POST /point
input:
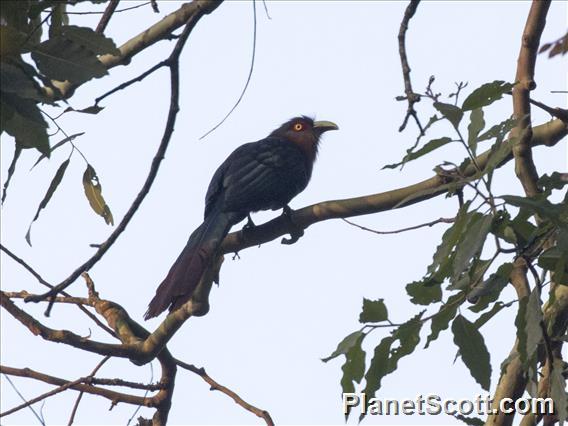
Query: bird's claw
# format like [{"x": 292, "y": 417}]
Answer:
[{"x": 296, "y": 231}]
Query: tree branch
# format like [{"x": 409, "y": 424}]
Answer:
[
  {"x": 159, "y": 31},
  {"x": 63, "y": 384},
  {"x": 111, "y": 7},
  {"x": 524, "y": 165},
  {"x": 215, "y": 386},
  {"x": 410, "y": 95},
  {"x": 547, "y": 134}
]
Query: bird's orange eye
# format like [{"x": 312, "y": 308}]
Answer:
[{"x": 298, "y": 127}]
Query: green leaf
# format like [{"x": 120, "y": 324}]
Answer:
[
  {"x": 488, "y": 291},
  {"x": 345, "y": 345},
  {"x": 540, "y": 206},
  {"x": 554, "y": 181},
  {"x": 385, "y": 359},
  {"x": 528, "y": 322},
  {"x": 476, "y": 125},
  {"x": 486, "y": 316},
  {"x": 473, "y": 351},
  {"x": 441, "y": 320},
  {"x": 89, "y": 39},
  {"x": 18, "y": 79},
  {"x": 63, "y": 59},
  {"x": 558, "y": 391},
  {"x": 24, "y": 122},
  {"x": 93, "y": 191},
  {"x": 471, "y": 243},
  {"x": 50, "y": 191},
  {"x": 353, "y": 368},
  {"x": 442, "y": 260},
  {"x": 498, "y": 131},
  {"x": 373, "y": 311},
  {"x": 486, "y": 94},
  {"x": 451, "y": 112},
  {"x": 421, "y": 294},
  {"x": 413, "y": 155}
]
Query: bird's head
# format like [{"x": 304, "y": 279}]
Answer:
[{"x": 305, "y": 132}]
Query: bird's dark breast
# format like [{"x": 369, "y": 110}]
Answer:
[{"x": 261, "y": 175}]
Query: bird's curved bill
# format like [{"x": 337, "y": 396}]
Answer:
[{"x": 324, "y": 126}]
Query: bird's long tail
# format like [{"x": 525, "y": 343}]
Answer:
[{"x": 185, "y": 273}]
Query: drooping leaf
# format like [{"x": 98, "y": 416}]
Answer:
[
  {"x": 60, "y": 58},
  {"x": 385, "y": 359},
  {"x": 57, "y": 145},
  {"x": 89, "y": 39},
  {"x": 486, "y": 316},
  {"x": 441, "y": 259},
  {"x": 473, "y": 351},
  {"x": 17, "y": 78},
  {"x": 529, "y": 328},
  {"x": 93, "y": 191},
  {"x": 486, "y": 94},
  {"x": 373, "y": 311},
  {"x": 413, "y": 155},
  {"x": 472, "y": 242},
  {"x": 11, "y": 170},
  {"x": 441, "y": 320},
  {"x": 421, "y": 294},
  {"x": 540, "y": 206},
  {"x": 498, "y": 131},
  {"x": 50, "y": 191},
  {"x": 489, "y": 290},
  {"x": 557, "y": 47},
  {"x": 451, "y": 112},
  {"x": 353, "y": 368},
  {"x": 476, "y": 125},
  {"x": 22, "y": 119},
  {"x": 345, "y": 345}
]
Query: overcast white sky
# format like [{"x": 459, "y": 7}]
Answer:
[{"x": 279, "y": 309}]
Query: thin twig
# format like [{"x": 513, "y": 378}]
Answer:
[
  {"x": 263, "y": 414},
  {"x": 398, "y": 231},
  {"x": 132, "y": 81},
  {"x": 110, "y": 9},
  {"x": 40, "y": 418},
  {"x": 248, "y": 77},
  {"x": 117, "y": 11},
  {"x": 410, "y": 95},
  {"x": 45, "y": 283},
  {"x": 80, "y": 396}
]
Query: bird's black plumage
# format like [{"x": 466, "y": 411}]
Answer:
[{"x": 260, "y": 175}]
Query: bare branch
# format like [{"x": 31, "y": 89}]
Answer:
[
  {"x": 45, "y": 283},
  {"x": 263, "y": 414},
  {"x": 547, "y": 134},
  {"x": 524, "y": 165},
  {"x": 159, "y": 31},
  {"x": 111, "y": 7},
  {"x": 411, "y": 97},
  {"x": 398, "y": 231},
  {"x": 113, "y": 396},
  {"x": 80, "y": 396}
]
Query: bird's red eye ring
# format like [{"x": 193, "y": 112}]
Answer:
[{"x": 298, "y": 127}]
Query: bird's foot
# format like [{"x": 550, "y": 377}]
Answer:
[
  {"x": 296, "y": 232},
  {"x": 236, "y": 255}
]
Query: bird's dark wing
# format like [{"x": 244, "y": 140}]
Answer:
[{"x": 258, "y": 176}]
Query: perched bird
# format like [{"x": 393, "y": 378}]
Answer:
[{"x": 260, "y": 175}]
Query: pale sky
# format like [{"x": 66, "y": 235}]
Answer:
[{"x": 279, "y": 309}]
